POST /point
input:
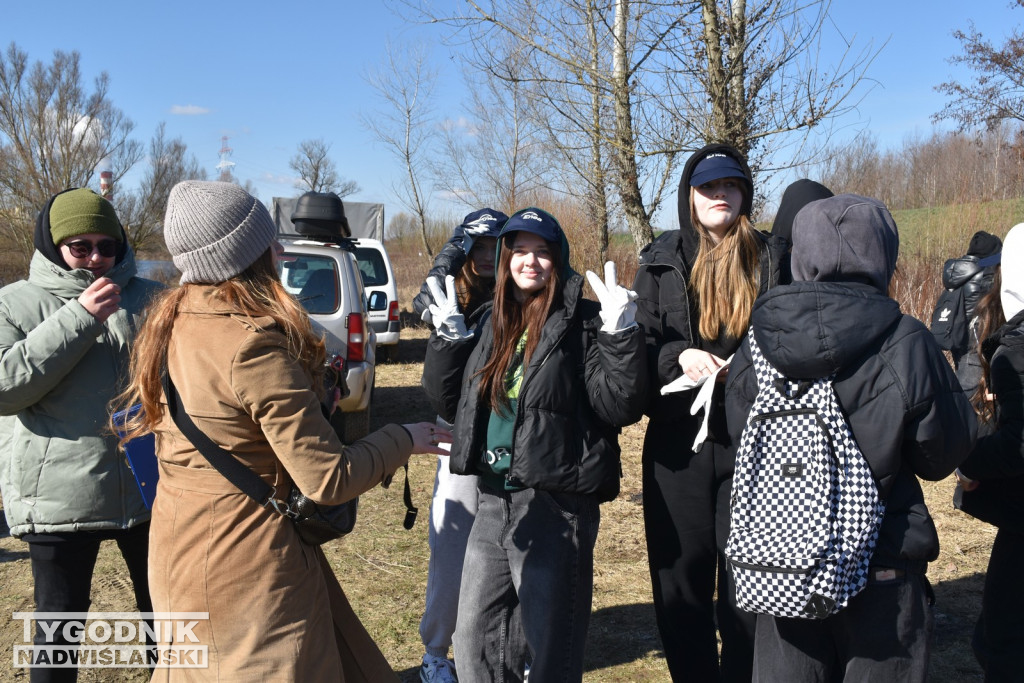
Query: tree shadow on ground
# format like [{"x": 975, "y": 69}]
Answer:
[{"x": 617, "y": 635}]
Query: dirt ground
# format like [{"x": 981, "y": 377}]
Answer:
[{"x": 383, "y": 567}]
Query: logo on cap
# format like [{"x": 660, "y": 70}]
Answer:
[{"x": 531, "y": 216}]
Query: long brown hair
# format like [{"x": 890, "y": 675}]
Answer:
[
  {"x": 255, "y": 292},
  {"x": 472, "y": 288},
  {"x": 510, "y": 319},
  {"x": 725, "y": 276},
  {"x": 989, "y": 313}
]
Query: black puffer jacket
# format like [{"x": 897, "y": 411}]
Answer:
[
  {"x": 667, "y": 310},
  {"x": 580, "y": 387},
  {"x": 899, "y": 394},
  {"x": 967, "y": 273},
  {"x": 449, "y": 260},
  {"x": 1000, "y": 455}
]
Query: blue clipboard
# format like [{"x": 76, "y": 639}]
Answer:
[{"x": 141, "y": 455}]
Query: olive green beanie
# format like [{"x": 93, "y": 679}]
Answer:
[{"x": 80, "y": 212}]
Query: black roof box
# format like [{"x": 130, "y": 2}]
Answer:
[{"x": 320, "y": 215}]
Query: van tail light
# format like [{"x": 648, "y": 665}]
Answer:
[
  {"x": 393, "y": 312},
  {"x": 356, "y": 338}
]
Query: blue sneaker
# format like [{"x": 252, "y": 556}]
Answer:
[{"x": 437, "y": 670}]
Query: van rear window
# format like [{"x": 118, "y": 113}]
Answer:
[
  {"x": 371, "y": 267},
  {"x": 313, "y": 280}
]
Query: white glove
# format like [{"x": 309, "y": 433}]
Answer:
[
  {"x": 618, "y": 304},
  {"x": 444, "y": 312}
]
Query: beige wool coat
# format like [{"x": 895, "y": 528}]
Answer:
[{"x": 276, "y": 610}]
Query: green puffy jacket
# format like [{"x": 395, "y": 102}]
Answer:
[{"x": 59, "y": 367}]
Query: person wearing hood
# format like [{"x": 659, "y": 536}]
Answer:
[
  {"x": 695, "y": 289},
  {"x": 65, "y": 334},
  {"x": 538, "y": 396},
  {"x": 907, "y": 413},
  {"x": 248, "y": 369},
  {"x": 469, "y": 257},
  {"x": 975, "y": 273},
  {"x": 796, "y": 196},
  {"x": 992, "y": 477}
]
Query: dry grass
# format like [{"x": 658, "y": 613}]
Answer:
[{"x": 383, "y": 567}]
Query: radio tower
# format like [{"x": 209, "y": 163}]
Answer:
[{"x": 225, "y": 166}]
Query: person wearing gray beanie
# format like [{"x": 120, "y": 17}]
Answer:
[
  {"x": 249, "y": 368},
  {"x": 906, "y": 411},
  {"x": 215, "y": 230}
]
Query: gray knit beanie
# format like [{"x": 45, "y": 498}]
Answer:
[{"x": 215, "y": 230}]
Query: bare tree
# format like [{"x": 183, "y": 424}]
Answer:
[
  {"x": 997, "y": 91},
  {"x": 495, "y": 155},
  {"x": 757, "y": 64},
  {"x": 317, "y": 172},
  {"x": 646, "y": 80},
  {"x": 579, "y": 61},
  {"x": 53, "y": 135},
  {"x": 404, "y": 124},
  {"x": 142, "y": 211}
]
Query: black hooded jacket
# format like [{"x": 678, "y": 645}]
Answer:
[
  {"x": 1000, "y": 455},
  {"x": 667, "y": 310},
  {"x": 898, "y": 392},
  {"x": 580, "y": 386},
  {"x": 966, "y": 272}
]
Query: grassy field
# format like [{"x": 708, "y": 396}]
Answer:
[{"x": 383, "y": 567}]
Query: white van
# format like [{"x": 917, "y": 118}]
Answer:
[
  {"x": 323, "y": 276},
  {"x": 381, "y": 294}
]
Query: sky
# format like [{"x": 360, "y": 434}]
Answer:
[{"x": 270, "y": 75}]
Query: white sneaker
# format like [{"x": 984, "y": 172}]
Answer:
[{"x": 437, "y": 670}]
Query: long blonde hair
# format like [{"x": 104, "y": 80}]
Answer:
[
  {"x": 255, "y": 292},
  {"x": 725, "y": 277}
]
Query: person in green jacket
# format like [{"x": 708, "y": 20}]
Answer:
[{"x": 64, "y": 348}]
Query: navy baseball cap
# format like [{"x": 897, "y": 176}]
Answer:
[
  {"x": 485, "y": 222},
  {"x": 714, "y": 166},
  {"x": 534, "y": 220}
]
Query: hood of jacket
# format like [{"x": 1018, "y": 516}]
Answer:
[
  {"x": 816, "y": 329},
  {"x": 1011, "y": 295},
  {"x": 43, "y": 241},
  {"x": 683, "y": 195},
  {"x": 956, "y": 272}
]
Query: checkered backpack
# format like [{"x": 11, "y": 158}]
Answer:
[{"x": 805, "y": 509}]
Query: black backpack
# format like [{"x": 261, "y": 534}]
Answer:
[
  {"x": 965, "y": 280},
  {"x": 949, "y": 320}
]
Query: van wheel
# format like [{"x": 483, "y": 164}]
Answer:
[
  {"x": 350, "y": 427},
  {"x": 387, "y": 354}
]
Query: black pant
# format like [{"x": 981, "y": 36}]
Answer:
[
  {"x": 686, "y": 518},
  {"x": 999, "y": 635},
  {"x": 883, "y": 634},
  {"x": 62, "y": 569}
]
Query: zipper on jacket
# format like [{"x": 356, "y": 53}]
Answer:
[{"x": 522, "y": 393}]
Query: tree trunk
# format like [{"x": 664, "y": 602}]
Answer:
[{"x": 625, "y": 142}]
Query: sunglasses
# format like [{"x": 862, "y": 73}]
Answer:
[{"x": 84, "y": 248}]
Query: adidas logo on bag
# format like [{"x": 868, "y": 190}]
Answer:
[{"x": 805, "y": 509}]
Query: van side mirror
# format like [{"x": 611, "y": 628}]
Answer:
[{"x": 378, "y": 301}]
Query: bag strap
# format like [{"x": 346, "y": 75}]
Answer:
[{"x": 243, "y": 478}]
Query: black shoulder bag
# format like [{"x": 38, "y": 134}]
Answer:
[{"x": 316, "y": 524}]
